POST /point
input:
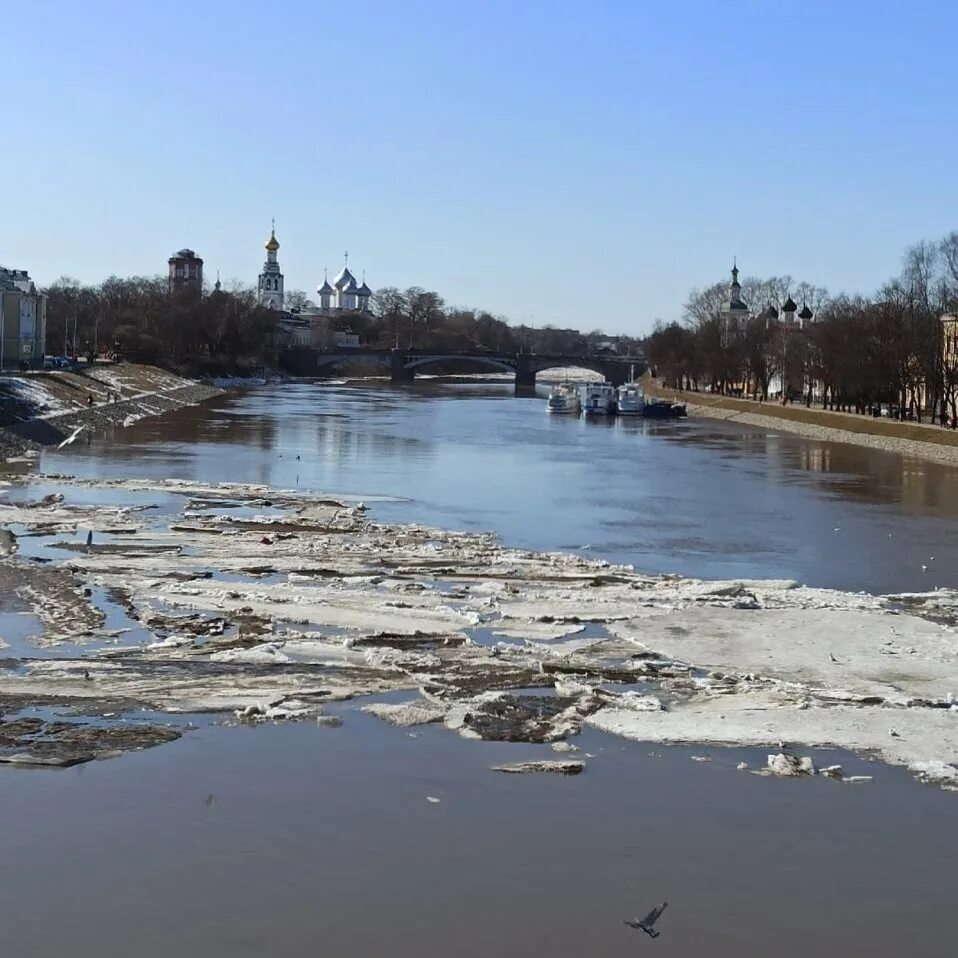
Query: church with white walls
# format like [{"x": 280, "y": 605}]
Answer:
[
  {"x": 343, "y": 295},
  {"x": 270, "y": 292}
]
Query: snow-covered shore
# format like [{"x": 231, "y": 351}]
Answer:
[{"x": 42, "y": 409}]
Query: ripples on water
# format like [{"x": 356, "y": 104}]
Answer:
[
  {"x": 699, "y": 498},
  {"x": 283, "y": 840}
]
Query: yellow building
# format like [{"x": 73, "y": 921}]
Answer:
[{"x": 23, "y": 320}]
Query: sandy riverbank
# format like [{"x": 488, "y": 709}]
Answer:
[
  {"x": 259, "y": 604},
  {"x": 921, "y": 441},
  {"x": 43, "y": 409}
]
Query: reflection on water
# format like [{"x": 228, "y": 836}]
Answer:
[
  {"x": 282, "y": 840},
  {"x": 696, "y": 497},
  {"x": 290, "y": 840}
]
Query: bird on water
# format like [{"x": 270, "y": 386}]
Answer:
[{"x": 647, "y": 924}]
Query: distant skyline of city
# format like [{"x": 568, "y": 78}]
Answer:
[{"x": 543, "y": 164}]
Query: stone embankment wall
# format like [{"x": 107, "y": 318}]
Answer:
[
  {"x": 917, "y": 440},
  {"x": 44, "y": 410}
]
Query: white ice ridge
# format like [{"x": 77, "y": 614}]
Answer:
[{"x": 292, "y": 595}]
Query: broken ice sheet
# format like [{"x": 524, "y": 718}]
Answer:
[{"x": 279, "y": 600}]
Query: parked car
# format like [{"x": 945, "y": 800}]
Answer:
[{"x": 57, "y": 362}]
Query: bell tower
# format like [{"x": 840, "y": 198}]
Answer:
[{"x": 270, "y": 290}]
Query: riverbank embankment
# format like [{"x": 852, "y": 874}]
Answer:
[
  {"x": 917, "y": 440},
  {"x": 44, "y": 409}
]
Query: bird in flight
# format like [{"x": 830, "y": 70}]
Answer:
[{"x": 647, "y": 924}]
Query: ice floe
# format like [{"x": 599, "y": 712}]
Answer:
[{"x": 274, "y": 602}]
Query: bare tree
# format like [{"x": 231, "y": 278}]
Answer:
[
  {"x": 424, "y": 309},
  {"x": 390, "y": 306},
  {"x": 297, "y": 299}
]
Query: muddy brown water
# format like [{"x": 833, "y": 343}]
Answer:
[{"x": 291, "y": 839}]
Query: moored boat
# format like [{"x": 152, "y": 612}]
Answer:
[
  {"x": 563, "y": 398},
  {"x": 664, "y": 409},
  {"x": 598, "y": 399},
  {"x": 630, "y": 400}
]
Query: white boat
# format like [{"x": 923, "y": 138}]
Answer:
[
  {"x": 598, "y": 399},
  {"x": 630, "y": 400},
  {"x": 564, "y": 398}
]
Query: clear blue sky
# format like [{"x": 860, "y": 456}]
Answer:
[{"x": 567, "y": 163}]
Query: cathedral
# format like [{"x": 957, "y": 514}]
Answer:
[
  {"x": 345, "y": 295},
  {"x": 736, "y": 316}
]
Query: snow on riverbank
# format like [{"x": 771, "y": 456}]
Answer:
[
  {"x": 30, "y": 396},
  {"x": 46, "y": 408},
  {"x": 131, "y": 379}
]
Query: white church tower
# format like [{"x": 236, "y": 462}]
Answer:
[
  {"x": 326, "y": 293},
  {"x": 270, "y": 293},
  {"x": 737, "y": 315}
]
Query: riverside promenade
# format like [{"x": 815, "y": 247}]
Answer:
[{"x": 919, "y": 440}]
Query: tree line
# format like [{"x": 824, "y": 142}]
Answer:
[
  {"x": 856, "y": 353},
  {"x": 420, "y": 319},
  {"x": 139, "y": 318}
]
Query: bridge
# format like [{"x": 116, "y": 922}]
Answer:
[{"x": 403, "y": 364}]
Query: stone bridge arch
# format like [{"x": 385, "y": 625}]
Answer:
[
  {"x": 615, "y": 370},
  {"x": 593, "y": 365},
  {"x": 402, "y": 364},
  {"x": 503, "y": 364},
  {"x": 327, "y": 363}
]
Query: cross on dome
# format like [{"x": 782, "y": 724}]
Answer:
[{"x": 272, "y": 244}]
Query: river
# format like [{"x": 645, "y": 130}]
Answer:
[
  {"x": 275, "y": 840},
  {"x": 694, "y": 497}
]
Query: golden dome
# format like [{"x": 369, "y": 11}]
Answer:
[{"x": 272, "y": 244}]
